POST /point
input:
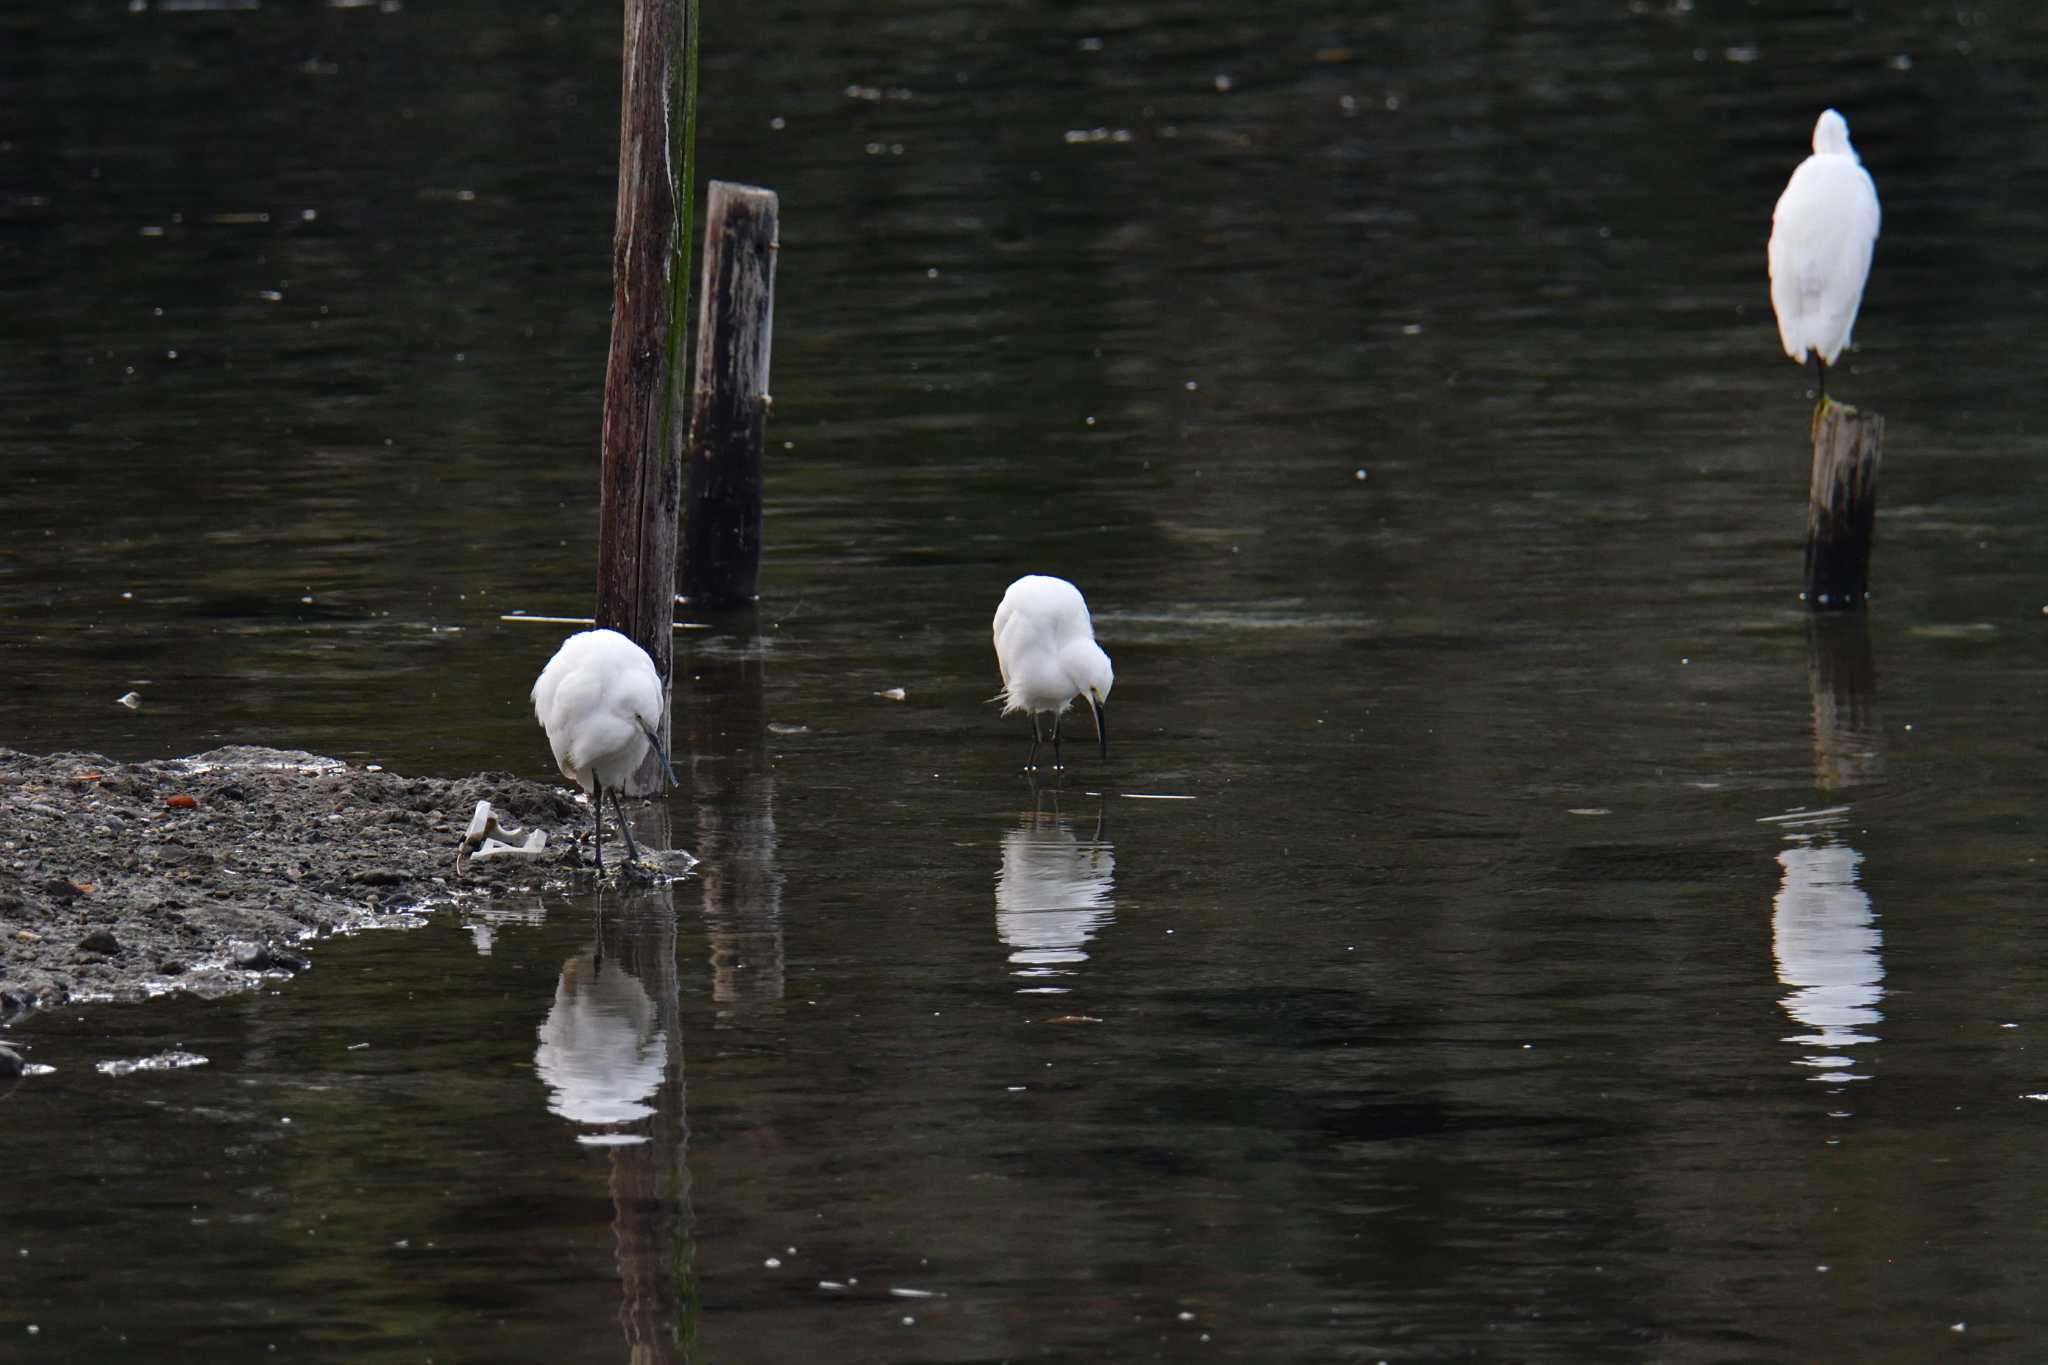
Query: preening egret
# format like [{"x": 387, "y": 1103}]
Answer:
[
  {"x": 1045, "y": 647},
  {"x": 599, "y": 699},
  {"x": 1822, "y": 234}
]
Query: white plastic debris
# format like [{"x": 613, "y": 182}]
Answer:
[
  {"x": 131, "y": 700},
  {"x": 489, "y": 837}
]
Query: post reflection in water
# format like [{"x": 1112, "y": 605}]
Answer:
[
  {"x": 1054, "y": 892},
  {"x": 724, "y": 735},
  {"x": 1823, "y": 928},
  {"x": 611, "y": 1057},
  {"x": 1841, "y": 676},
  {"x": 1824, "y": 936}
]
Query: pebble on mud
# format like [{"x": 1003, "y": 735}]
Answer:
[{"x": 100, "y": 941}]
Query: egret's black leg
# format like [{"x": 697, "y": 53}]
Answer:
[
  {"x": 597, "y": 822},
  {"x": 1820, "y": 376},
  {"x": 1057, "y": 765},
  {"x": 625, "y": 828},
  {"x": 1031, "y": 759}
]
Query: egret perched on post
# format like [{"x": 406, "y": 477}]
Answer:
[
  {"x": 600, "y": 699},
  {"x": 1822, "y": 234},
  {"x": 1045, "y": 647}
]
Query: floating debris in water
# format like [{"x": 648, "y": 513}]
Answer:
[
  {"x": 1802, "y": 817},
  {"x": 131, "y": 700},
  {"x": 1589, "y": 810},
  {"x": 587, "y": 621},
  {"x": 162, "y": 1061},
  {"x": 893, "y": 693},
  {"x": 1074, "y": 136}
]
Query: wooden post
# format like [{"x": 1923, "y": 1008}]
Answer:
[
  {"x": 722, "y": 532},
  {"x": 1841, "y": 506},
  {"x": 640, "y": 484}
]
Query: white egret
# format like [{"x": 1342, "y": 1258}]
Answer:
[
  {"x": 1822, "y": 233},
  {"x": 1045, "y": 647},
  {"x": 600, "y": 700}
]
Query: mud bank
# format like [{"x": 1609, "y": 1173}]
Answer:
[{"x": 207, "y": 873}]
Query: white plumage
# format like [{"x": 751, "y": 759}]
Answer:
[
  {"x": 1822, "y": 234},
  {"x": 1046, "y": 650},
  {"x": 600, "y": 701}
]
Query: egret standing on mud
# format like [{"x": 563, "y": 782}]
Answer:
[
  {"x": 600, "y": 699},
  {"x": 1822, "y": 234},
  {"x": 1045, "y": 647}
]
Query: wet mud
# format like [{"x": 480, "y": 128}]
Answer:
[{"x": 211, "y": 873}]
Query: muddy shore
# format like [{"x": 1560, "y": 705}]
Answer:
[{"x": 120, "y": 881}]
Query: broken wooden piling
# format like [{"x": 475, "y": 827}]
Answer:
[
  {"x": 1841, "y": 506},
  {"x": 640, "y": 480},
  {"x": 721, "y": 564}
]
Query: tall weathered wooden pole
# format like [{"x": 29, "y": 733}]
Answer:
[
  {"x": 640, "y": 485},
  {"x": 1841, "y": 506},
  {"x": 721, "y": 565}
]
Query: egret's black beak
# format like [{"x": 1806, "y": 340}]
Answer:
[
  {"x": 1101, "y": 710},
  {"x": 659, "y": 752}
]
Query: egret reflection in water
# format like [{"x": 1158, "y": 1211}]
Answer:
[
  {"x": 602, "y": 1048},
  {"x": 1054, "y": 892},
  {"x": 1825, "y": 938}
]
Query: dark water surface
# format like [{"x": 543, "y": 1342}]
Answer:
[{"x": 1567, "y": 952}]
